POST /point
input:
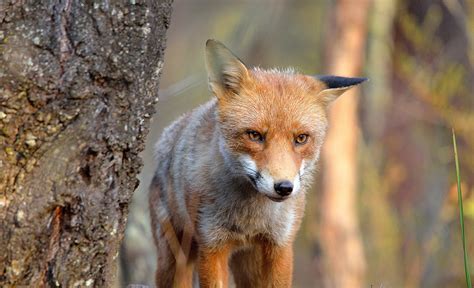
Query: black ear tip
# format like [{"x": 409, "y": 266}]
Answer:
[
  {"x": 334, "y": 82},
  {"x": 360, "y": 80}
]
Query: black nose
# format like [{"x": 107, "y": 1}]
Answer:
[{"x": 283, "y": 188}]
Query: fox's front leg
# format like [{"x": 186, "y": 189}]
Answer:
[
  {"x": 277, "y": 265},
  {"x": 213, "y": 267}
]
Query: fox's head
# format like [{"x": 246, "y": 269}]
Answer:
[{"x": 273, "y": 122}]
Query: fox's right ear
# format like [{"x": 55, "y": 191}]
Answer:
[
  {"x": 225, "y": 71},
  {"x": 335, "y": 86}
]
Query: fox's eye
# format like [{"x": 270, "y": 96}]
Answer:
[
  {"x": 255, "y": 136},
  {"x": 301, "y": 139}
]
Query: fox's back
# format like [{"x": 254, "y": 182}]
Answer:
[{"x": 181, "y": 156}]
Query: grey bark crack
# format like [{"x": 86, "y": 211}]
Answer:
[{"x": 62, "y": 11}]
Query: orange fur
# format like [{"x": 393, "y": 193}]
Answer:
[
  {"x": 278, "y": 265},
  {"x": 213, "y": 270}
]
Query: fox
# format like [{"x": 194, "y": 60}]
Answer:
[{"x": 228, "y": 194}]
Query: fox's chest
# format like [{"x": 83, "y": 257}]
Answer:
[
  {"x": 274, "y": 223},
  {"x": 245, "y": 220}
]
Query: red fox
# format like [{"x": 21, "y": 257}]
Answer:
[{"x": 229, "y": 189}]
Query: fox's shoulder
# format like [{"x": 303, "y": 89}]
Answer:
[
  {"x": 185, "y": 124},
  {"x": 168, "y": 136}
]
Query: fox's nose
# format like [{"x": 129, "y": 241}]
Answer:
[{"x": 283, "y": 188}]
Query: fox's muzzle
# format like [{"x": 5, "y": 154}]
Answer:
[{"x": 276, "y": 189}]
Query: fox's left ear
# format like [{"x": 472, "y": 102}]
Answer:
[
  {"x": 225, "y": 71},
  {"x": 335, "y": 86}
]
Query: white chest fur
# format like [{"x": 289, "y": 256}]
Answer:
[{"x": 245, "y": 219}]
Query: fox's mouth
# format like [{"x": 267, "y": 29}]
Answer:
[
  {"x": 277, "y": 199},
  {"x": 254, "y": 179}
]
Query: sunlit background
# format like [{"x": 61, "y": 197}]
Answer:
[{"x": 419, "y": 56}]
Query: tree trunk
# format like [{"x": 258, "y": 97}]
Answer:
[
  {"x": 343, "y": 255},
  {"x": 78, "y": 84}
]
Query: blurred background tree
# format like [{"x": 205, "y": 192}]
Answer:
[
  {"x": 419, "y": 56},
  {"x": 341, "y": 243}
]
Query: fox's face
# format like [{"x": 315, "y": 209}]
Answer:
[
  {"x": 274, "y": 127},
  {"x": 273, "y": 122}
]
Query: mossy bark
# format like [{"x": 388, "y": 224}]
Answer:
[{"x": 78, "y": 84}]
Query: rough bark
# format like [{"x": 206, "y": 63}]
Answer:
[
  {"x": 78, "y": 84},
  {"x": 340, "y": 235}
]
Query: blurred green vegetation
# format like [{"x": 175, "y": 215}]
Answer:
[{"x": 420, "y": 59}]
